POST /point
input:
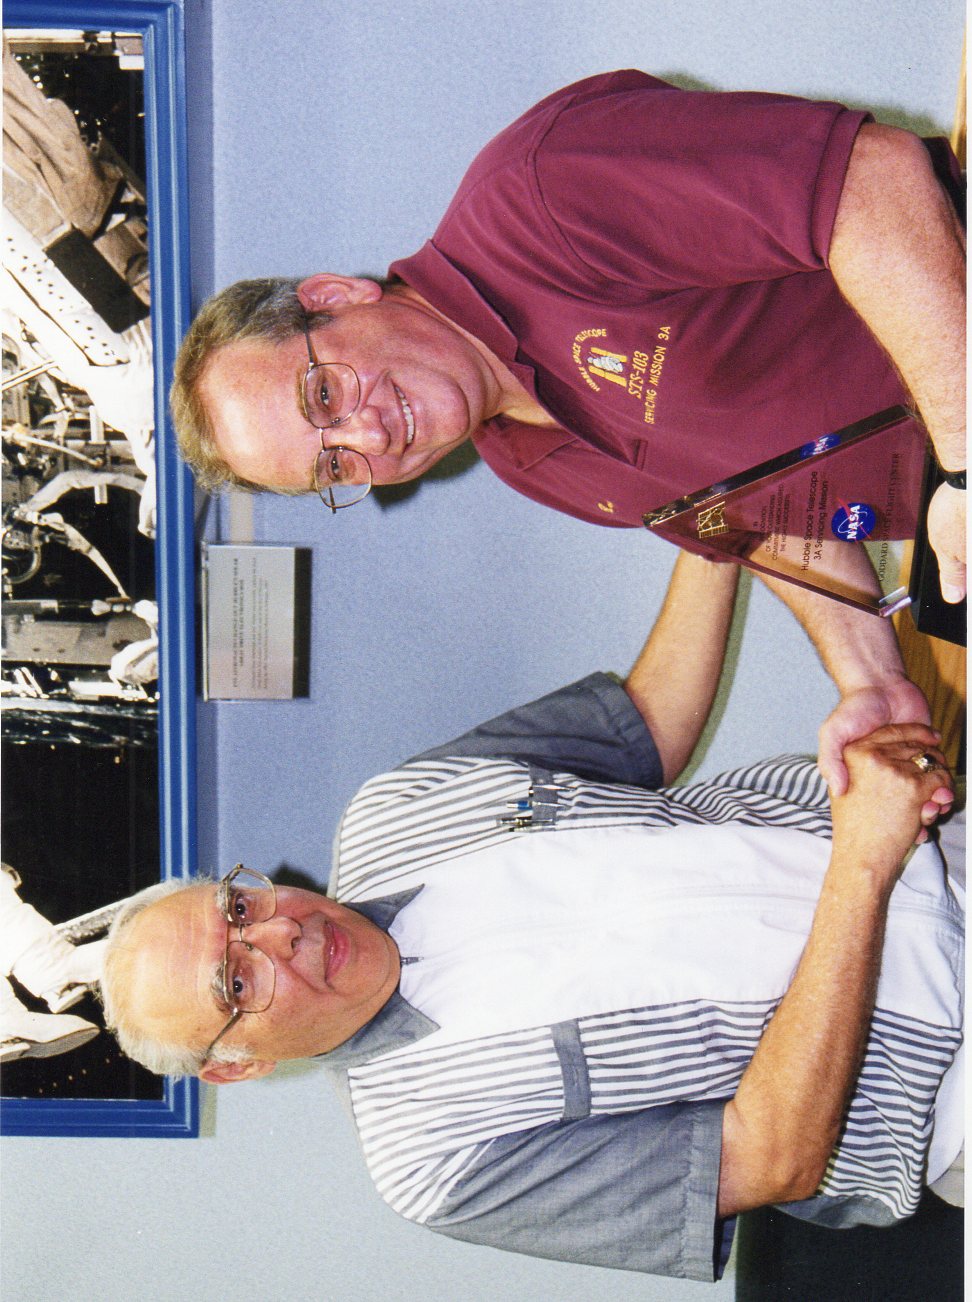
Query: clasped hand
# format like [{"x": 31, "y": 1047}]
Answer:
[
  {"x": 860, "y": 712},
  {"x": 890, "y": 801}
]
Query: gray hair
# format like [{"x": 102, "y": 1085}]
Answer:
[{"x": 161, "y": 1057}]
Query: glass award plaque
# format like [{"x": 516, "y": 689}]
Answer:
[{"x": 828, "y": 516}]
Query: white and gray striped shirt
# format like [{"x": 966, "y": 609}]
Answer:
[{"x": 588, "y": 966}]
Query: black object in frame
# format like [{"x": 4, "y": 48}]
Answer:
[{"x": 173, "y": 1111}]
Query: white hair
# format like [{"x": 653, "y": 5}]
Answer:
[{"x": 163, "y": 1058}]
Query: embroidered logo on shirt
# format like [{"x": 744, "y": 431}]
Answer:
[
  {"x": 609, "y": 366},
  {"x": 638, "y": 374}
]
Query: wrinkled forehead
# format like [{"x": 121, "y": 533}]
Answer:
[{"x": 174, "y": 950}]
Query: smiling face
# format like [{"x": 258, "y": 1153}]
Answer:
[
  {"x": 425, "y": 387},
  {"x": 334, "y": 970}
]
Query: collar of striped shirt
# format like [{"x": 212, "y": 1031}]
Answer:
[{"x": 396, "y": 1023}]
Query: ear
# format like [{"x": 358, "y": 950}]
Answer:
[
  {"x": 328, "y": 293},
  {"x": 223, "y": 1073}
]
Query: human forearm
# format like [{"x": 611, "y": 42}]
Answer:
[
  {"x": 780, "y": 1128},
  {"x": 857, "y": 649},
  {"x": 674, "y": 680},
  {"x": 861, "y": 654}
]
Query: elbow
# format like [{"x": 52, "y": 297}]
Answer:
[
  {"x": 756, "y": 1183},
  {"x": 893, "y": 158},
  {"x": 890, "y": 188},
  {"x": 789, "y": 1177},
  {"x": 761, "y": 1167},
  {"x": 802, "y": 1180}
]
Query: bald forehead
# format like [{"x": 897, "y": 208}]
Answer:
[
  {"x": 250, "y": 390},
  {"x": 173, "y": 950}
]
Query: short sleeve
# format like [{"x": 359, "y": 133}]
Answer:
[
  {"x": 633, "y": 1191},
  {"x": 664, "y": 188},
  {"x": 591, "y": 728}
]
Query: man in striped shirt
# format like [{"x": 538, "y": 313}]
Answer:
[{"x": 582, "y": 1014}]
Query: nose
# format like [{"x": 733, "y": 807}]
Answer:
[
  {"x": 364, "y": 432},
  {"x": 277, "y": 937}
]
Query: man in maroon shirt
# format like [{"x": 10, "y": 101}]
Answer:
[{"x": 636, "y": 291}]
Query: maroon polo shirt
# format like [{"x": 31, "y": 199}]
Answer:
[{"x": 651, "y": 264}]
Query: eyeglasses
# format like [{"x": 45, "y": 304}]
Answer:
[
  {"x": 329, "y": 396},
  {"x": 246, "y": 978}
]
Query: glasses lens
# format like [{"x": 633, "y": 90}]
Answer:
[
  {"x": 249, "y": 978},
  {"x": 342, "y": 476},
  {"x": 248, "y": 897},
  {"x": 330, "y": 394}
]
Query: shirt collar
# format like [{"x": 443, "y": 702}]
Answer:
[
  {"x": 431, "y": 274},
  {"x": 397, "y": 1023}
]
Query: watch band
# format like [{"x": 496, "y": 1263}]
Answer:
[{"x": 954, "y": 478}]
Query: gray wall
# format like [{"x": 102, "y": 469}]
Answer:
[{"x": 330, "y": 137}]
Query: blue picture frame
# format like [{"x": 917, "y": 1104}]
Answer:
[{"x": 161, "y": 24}]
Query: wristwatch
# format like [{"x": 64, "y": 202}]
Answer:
[{"x": 954, "y": 478}]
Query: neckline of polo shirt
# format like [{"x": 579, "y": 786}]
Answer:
[
  {"x": 431, "y": 274},
  {"x": 527, "y": 444}
]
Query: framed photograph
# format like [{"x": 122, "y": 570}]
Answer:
[{"x": 98, "y": 679}]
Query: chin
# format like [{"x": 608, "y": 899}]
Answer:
[
  {"x": 401, "y": 477},
  {"x": 415, "y": 468}
]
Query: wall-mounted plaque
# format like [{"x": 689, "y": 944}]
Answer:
[{"x": 256, "y": 620}]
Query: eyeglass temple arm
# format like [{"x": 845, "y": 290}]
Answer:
[
  {"x": 227, "y": 1028},
  {"x": 311, "y": 360}
]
